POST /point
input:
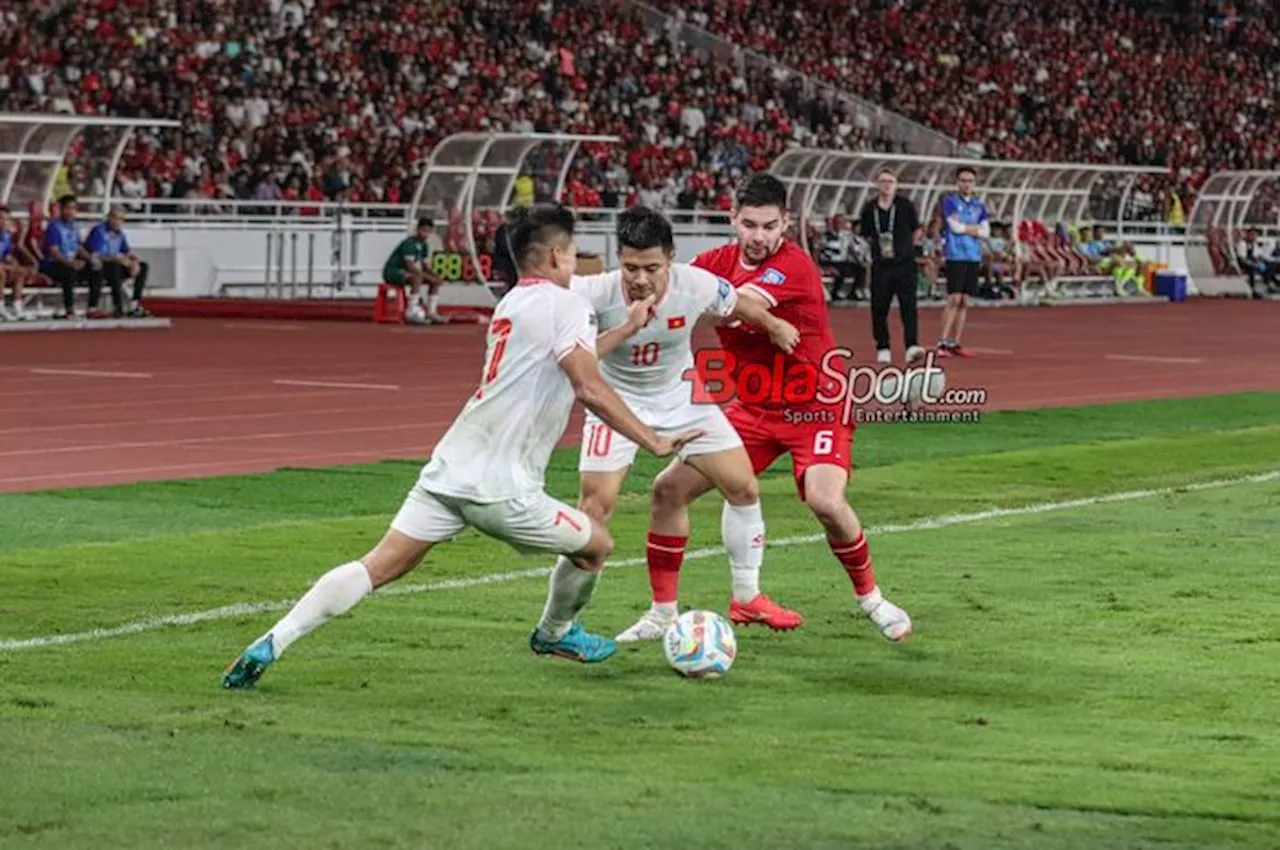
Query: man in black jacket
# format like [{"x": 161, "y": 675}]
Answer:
[{"x": 891, "y": 225}]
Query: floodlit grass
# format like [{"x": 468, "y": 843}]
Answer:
[{"x": 1099, "y": 676}]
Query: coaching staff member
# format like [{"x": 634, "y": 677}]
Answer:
[
  {"x": 966, "y": 223},
  {"x": 65, "y": 262},
  {"x": 891, "y": 225}
]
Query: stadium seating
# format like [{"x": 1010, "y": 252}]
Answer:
[
  {"x": 344, "y": 100},
  {"x": 339, "y": 99},
  {"x": 1190, "y": 86}
]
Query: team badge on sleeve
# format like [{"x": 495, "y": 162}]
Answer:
[
  {"x": 725, "y": 288},
  {"x": 675, "y": 323},
  {"x": 773, "y": 277}
]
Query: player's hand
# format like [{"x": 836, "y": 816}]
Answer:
[
  {"x": 784, "y": 335},
  {"x": 670, "y": 445},
  {"x": 640, "y": 313}
]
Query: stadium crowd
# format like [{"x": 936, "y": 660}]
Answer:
[
  {"x": 1193, "y": 87},
  {"x": 334, "y": 99},
  {"x": 1079, "y": 81},
  {"x": 342, "y": 100}
]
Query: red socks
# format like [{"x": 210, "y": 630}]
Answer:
[
  {"x": 665, "y": 555},
  {"x": 856, "y": 557}
]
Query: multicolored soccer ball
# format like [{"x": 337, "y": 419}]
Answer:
[{"x": 700, "y": 645}]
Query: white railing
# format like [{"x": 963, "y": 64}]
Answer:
[
  {"x": 323, "y": 260},
  {"x": 214, "y": 213},
  {"x": 218, "y": 214}
]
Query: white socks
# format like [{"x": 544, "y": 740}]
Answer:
[
  {"x": 667, "y": 610},
  {"x": 570, "y": 591},
  {"x": 433, "y": 304},
  {"x": 336, "y": 593},
  {"x": 742, "y": 531},
  {"x": 870, "y": 601}
]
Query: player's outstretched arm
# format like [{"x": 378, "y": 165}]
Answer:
[
  {"x": 601, "y": 399},
  {"x": 639, "y": 314},
  {"x": 752, "y": 308}
]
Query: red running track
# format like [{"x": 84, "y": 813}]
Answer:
[{"x": 214, "y": 396}]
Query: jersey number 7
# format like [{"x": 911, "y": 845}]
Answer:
[{"x": 501, "y": 330}]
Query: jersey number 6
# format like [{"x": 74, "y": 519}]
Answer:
[
  {"x": 501, "y": 330},
  {"x": 822, "y": 442}
]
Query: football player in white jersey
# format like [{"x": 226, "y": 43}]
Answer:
[
  {"x": 651, "y": 370},
  {"x": 488, "y": 469}
]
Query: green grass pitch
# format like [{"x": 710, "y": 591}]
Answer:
[{"x": 1103, "y": 674}]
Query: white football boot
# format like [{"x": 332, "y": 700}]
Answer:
[
  {"x": 893, "y": 622},
  {"x": 652, "y": 625}
]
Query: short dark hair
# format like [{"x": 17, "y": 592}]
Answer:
[
  {"x": 425, "y": 221},
  {"x": 966, "y": 169},
  {"x": 66, "y": 199},
  {"x": 642, "y": 228},
  {"x": 532, "y": 229},
  {"x": 761, "y": 190}
]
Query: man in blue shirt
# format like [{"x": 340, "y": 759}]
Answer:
[
  {"x": 114, "y": 262},
  {"x": 12, "y": 274},
  {"x": 65, "y": 261},
  {"x": 965, "y": 223}
]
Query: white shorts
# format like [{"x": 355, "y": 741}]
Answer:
[
  {"x": 531, "y": 524},
  {"x": 605, "y": 450}
]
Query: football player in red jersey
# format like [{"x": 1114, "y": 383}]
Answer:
[{"x": 764, "y": 264}]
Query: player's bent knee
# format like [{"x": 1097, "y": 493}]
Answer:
[
  {"x": 671, "y": 489},
  {"x": 825, "y": 501},
  {"x": 603, "y": 540},
  {"x": 834, "y": 515},
  {"x": 599, "y": 508},
  {"x": 395, "y": 555},
  {"x": 745, "y": 491},
  {"x": 599, "y": 547}
]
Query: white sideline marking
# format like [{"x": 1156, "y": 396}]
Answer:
[
  {"x": 91, "y": 373},
  {"x": 337, "y": 385},
  {"x": 999, "y": 351},
  {"x": 1144, "y": 358},
  {"x": 244, "y": 609}
]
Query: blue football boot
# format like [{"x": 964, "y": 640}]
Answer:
[
  {"x": 577, "y": 645},
  {"x": 250, "y": 666}
]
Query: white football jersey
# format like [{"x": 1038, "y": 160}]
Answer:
[
  {"x": 652, "y": 362},
  {"x": 499, "y": 446}
]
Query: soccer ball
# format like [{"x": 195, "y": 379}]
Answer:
[
  {"x": 916, "y": 384},
  {"x": 700, "y": 645}
]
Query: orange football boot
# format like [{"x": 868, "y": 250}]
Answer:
[{"x": 764, "y": 610}]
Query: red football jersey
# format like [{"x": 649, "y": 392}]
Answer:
[{"x": 792, "y": 284}]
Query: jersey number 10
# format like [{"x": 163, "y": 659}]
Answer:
[
  {"x": 501, "y": 330},
  {"x": 644, "y": 355}
]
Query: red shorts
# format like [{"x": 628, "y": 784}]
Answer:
[{"x": 767, "y": 434}]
